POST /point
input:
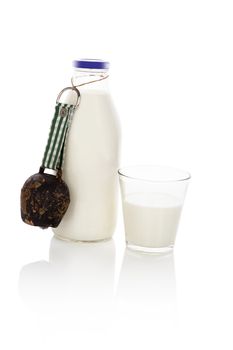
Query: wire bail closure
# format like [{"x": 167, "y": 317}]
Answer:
[{"x": 102, "y": 77}]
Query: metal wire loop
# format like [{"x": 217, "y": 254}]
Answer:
[
  {"x": 70, "y": 88},
  {"x": 102, "y": 77}
]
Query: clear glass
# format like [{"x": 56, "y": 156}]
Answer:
[{"x": 152, "y": 201}]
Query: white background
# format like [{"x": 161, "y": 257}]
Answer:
[{"x": 172, "y": 82}]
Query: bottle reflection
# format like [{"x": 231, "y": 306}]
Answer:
[
  {"x": 77, "y": 273},
  {"x": 147, "y": 280}
]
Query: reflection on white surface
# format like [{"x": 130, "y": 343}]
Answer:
[
  {"x": 146, "y": 293},
  {"x": 77, "y": 274},
  {"x": 72, "y": 294},
  {"x": 147, "y": 280}
]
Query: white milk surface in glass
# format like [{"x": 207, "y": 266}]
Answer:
[
  {"x": 151, "y": 220},
  {"x": 90, "y": 169}
]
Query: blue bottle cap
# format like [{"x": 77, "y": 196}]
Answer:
[{"x": 86, "y": 63}]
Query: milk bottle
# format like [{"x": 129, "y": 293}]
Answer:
[{"x": 91, "y": 158}]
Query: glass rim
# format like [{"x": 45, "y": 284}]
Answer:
[{"x": 185, "y": 177}]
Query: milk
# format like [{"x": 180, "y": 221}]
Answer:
[
  {"x": 90, "y": 169},
  {"x": 151, "y": 219}
]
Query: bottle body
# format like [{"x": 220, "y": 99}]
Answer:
[{"x": 90, "y": 168}]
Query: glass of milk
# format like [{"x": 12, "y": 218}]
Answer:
[{"x": 152, "y": 200}]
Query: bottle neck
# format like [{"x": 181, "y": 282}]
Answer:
[{"x": 90, "y": 79}]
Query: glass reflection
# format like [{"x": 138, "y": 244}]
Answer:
[{"x": 147, "y": 280}]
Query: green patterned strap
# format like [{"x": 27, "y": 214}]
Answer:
[{"x": 54, "y": 151}]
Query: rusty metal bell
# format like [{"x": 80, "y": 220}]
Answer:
[{"x": 44, "y": 199}]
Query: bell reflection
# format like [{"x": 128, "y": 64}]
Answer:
[
  {"x": 77, "y": 273},
  {"x": 147, "y": 280}
]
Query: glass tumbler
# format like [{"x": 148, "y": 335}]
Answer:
[{"x": 152, "y": 201}]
